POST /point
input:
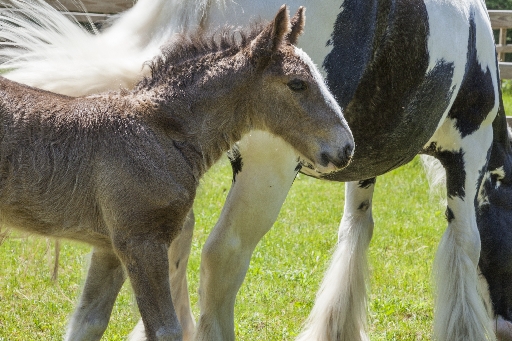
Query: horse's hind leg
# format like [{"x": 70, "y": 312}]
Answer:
[
  {"x": 340, "y": 307},
  {"x": 104, "y": 280},
  {"x": 460, "y": 313},
  {"x": 179, "y": 252}
]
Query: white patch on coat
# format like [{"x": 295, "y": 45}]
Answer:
[
  {"x": 483, "y": 198},
  {"x": 320, "y": 18},
  {"x": 500, "y": 175},
  {"x": 453, "y": 16},
  {"x": 444, "y": 17}
]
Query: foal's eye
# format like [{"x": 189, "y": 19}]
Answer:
[{"x": 297, "y": 85}]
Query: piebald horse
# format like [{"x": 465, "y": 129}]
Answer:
[{"x": 412, "y": 77}]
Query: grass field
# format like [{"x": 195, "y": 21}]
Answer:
[{"x": 285, "y": 271}]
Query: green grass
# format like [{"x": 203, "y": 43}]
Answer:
[
  {"x": 507, "y": 103},
  {"x": 285, "y": 271}
]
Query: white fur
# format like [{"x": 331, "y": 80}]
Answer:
[
  {"x": 251, "y": 208},
  {"x": 436, "y": 177},
  {"x": 340, "y": 308},
  {"x": 320, "y": 15},
  {"x": 460, "y": 313},
  {"x": 57, "y": 55},
  {"x": 449, "y": 48}
]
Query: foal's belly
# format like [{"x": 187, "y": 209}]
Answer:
[{"x": 48, "y": 224}]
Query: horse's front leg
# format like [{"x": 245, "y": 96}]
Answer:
[
  {"x": 339, "y": 312},
  {"x": 179, "y": 252},
  {"x": 263, "y": 175},
  {"x": 460, "y": 314},
  {"x": 104, "y": 280}
]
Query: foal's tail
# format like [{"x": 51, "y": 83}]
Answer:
[{"x": 44, "y": 48}]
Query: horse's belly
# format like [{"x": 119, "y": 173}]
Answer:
[{"x": 405, "y": 86}]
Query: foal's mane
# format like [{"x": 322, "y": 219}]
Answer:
[{"x": 187, "y": 47}]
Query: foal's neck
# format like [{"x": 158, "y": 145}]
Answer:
[{"x": 209, "y": 101}]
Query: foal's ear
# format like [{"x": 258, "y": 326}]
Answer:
[
  {"x": 271, "y": 38},
  {"x": 297, "y": 26}
]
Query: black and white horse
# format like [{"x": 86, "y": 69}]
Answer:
[{"x": 413, "y": 77}]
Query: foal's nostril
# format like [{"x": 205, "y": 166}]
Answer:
[
  {"x": 325, "y": 158},
  {"x": 348, "y": 151},
  {"x": 340, "y": 159},
  {"x": 344, "y": 156}
]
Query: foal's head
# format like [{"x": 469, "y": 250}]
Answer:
[
  {"x": 266, "y": 80},
  {"x": 292, "y": 100}
]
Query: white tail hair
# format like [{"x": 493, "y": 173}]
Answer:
[
  {"x": 44, "y": 48},
  {"x": 436, "y": 176}
]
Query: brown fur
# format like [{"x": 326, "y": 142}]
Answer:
[{"x": 120, "y": 170}]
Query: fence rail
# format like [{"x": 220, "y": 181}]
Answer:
[
  {"x": 93, "y": 6},
  {"x": 502, "y": 20}
]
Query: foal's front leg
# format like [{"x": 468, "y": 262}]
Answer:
[
  {"x": 339, "y": 312},
  {"x": 145, "y": 259},
  {"x": 104, "y": 280},
  {"x": 268, "y": 168},
  {"x": 179, "y": 252}
]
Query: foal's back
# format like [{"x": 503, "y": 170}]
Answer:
[{"x": 70, "y": 165}]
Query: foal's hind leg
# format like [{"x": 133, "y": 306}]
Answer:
[
  {"x": 340, "y": 307},
  {"x": 179, "y": 252},
  {"x": 460, "y": 314},
  {"x": 104, "y": 280}
]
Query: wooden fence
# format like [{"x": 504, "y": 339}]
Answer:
[{"x": 502, "y": 21}]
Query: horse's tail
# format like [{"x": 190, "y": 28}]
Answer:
[
  {"x": 41, "y": 47},
  {"x": 44, "y": 48},
  {"x": 436, "y": 176}
]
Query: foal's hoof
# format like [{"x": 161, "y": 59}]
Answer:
[{"x": 503, "y": 329}]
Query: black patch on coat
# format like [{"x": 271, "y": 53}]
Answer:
[
  {"x": 453, "y": 163},
  {"x": 475, "y": 98},
  {"x": 352, "y": 46},
  {"x": 494, "y": 220},
  {"x": 367, "y": 183},
  {"x": 236, "y": 161},
  {"x": 364, "y": 206},
  {"x": 394, "y": 107},
  {"x": 449, "y": 215}
]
